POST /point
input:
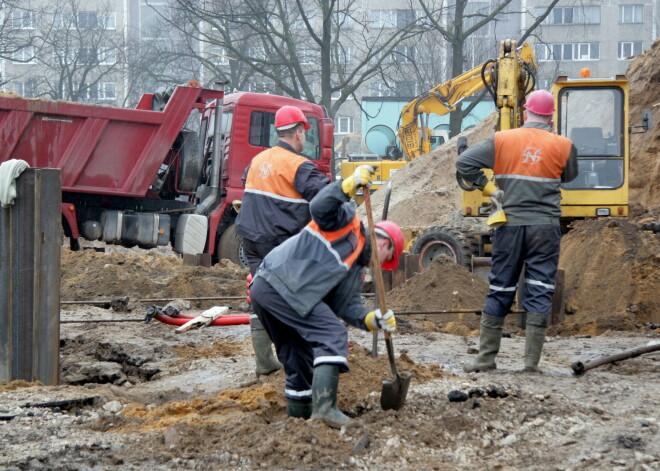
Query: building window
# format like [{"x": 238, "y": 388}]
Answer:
[
  {"x": 344, "y": 125},
  {"x": 629, "y": 49},
  {"x": 26, "y": 89},
  {"x": 406, "y": 89},
  {"x": 587, "y": 15},
  {"x": 107, "y": 56},
  {"x": 24, "y": 55},
  {"x": 630, "y": 13},
  {"x": 568, "y": 52},
  {"x": 343, "y": 20},
  {"x": 380, "y": 89},
  {"x": 23, "y": 19},
  {"x": 383, "y": 18},
  {"x": 404, "y": 54},
  {"x": 102, "y": 91},
  {"x": 151, "y": 19},
  {"x": 345, "y": 54}
]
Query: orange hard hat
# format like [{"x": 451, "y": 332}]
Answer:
[
  {"x": 540, "y": 102},
  {"x": 288, "y": 117},
  {"x": 393, "y": 232}
]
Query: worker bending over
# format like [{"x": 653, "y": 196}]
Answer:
[
  {"x": 307, "y": 283},
  {"x": 529, "y": 164},
  {"x": 279, "y": 184}
]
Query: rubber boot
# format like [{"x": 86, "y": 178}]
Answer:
[
  {"x": 489, "y": 344},
  {"x": 324, "y": 396},
  {"x": 298, "y": 408},
  {"x": 537, "y": 326},
  {"x": 266, "y": 361}
]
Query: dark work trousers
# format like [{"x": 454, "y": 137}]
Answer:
[
  {"x": 302, "y": 343},
  {"x": 255, "y": 253},
  {"x": 536, "y": 248}
]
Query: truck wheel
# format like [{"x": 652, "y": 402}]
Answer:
[
  {"x": 190, "y": 161},
  {"x": 230, "y": 247},
  {"x": 436, "y": 241}
]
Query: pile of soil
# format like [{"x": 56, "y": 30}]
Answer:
[
  {"x": 91, "y": 275},
  {"x": 612, "y": 272},
  {"x": 644, "y": 77}
]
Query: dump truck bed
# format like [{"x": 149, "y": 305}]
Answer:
[{"x": 101, "y": 150}]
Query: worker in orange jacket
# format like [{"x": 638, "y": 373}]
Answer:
[
  {"x": 279, "y": 183},
  {"x": 529, "y": 164}
]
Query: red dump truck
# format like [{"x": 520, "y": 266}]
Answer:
[{"x": 154, "y": 175}]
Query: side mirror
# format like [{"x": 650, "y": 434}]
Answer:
[
  {"x": 647, "y": 119},
  {"x": 647, "y": 123}
]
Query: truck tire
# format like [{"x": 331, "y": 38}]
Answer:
[
  {"x": 439, "y": 240},
  {"x": 190, "y": 161},
  {"x": 230, "y": 246}
]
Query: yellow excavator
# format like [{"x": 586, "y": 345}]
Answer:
[
  {"x": 594, "y": 114},
  {"x": 508, "y": 79}
]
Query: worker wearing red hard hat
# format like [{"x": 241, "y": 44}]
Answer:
[
  {"x": 529, "y": 164},
  {"x": 304, "y": 286},
  {"x": 279, "y": 183}
]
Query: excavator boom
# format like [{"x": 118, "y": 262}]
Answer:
[{"x": 509, "y": 79}]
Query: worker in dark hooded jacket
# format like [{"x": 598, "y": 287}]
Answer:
[
  {"x": 305, "y": 285},
  {"x": 279, "y": 184}
]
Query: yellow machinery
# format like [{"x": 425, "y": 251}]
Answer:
[
  {"x": 508, "y": 79},
  {"x": 594, "y": 114}
]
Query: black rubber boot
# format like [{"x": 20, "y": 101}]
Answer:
[
  {"x": 265, "y": 359},
  {"x": 537, "y": 326},
  {"x": 324, "y": 393},
  {"x": 489, "y": 344},
  {"x": 298, "y": 408}
]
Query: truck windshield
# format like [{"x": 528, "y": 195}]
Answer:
[
  {"x": 593, "y": 119},
  {"x": 262, "y": 133}
]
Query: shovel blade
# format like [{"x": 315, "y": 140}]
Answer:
[{"x": 394, "y": 392}]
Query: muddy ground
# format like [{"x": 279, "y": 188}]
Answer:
[
  {"x": 137, "y": 396},
  {"x": 141, "y": 397}
]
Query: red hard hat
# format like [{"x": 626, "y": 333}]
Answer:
[
  {"x": 392, "y": 231},
  {"x": 540, "y": 102},
  {"x": 288, "y": 116}
]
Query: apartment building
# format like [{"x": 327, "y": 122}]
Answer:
[{"x": 110, "y": 51}]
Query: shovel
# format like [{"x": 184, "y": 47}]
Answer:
[
  {"x": 386, "y": 205},
  {"x": 393, "y": 394}
]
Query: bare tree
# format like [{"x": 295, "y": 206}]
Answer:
[
  {"x": 321, "y": 51},
  {"x": 71, "y": 52},
  {"x": 17, "y": 36},
  {"x": 456, "y": 24}
]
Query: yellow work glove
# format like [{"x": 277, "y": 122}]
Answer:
[
  {"x": 375, "y": 320},
  {"x": 490, "y": 188},
  {"x": 361, "y": 178}
]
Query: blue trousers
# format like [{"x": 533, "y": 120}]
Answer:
[
  {"x": 536, "y": 248},
  {"x": 301, "y": 343}
]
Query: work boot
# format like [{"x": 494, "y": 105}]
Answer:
[
  {"x": 298, "y": 408},
  {"x": 489, "y": 344},
  {"x": 324, "y": 394},
  {"x": 537, "y": 326},
  {"x": 266, "y": 361}
]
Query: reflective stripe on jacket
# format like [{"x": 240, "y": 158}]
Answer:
[
  {"x": 275, "y": 202},
  {"x": 322, "y": 259}
]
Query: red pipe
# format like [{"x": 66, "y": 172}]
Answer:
[{"x": 237, "y": 319}]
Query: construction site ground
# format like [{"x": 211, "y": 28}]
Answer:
[{"x": 138, "y": 396}]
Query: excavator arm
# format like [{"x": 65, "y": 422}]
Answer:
[{"x": 508, "y": 79}]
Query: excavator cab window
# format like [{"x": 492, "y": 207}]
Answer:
[{"x": 593, "y": 118}]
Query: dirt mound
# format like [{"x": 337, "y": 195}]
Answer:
[
  {"x": 425, "y": 192},
  {"x": 612, "y": 274},
  {"x": 644, "y": 77},
  {"x": 92, "y": 275},
  {"x": 443, "y": 286}
]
